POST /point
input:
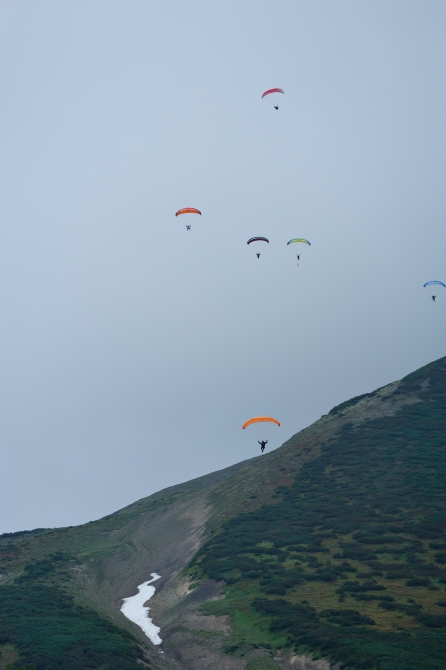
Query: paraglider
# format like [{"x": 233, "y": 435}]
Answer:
[
  {"x": 188, "y": 210},
  {"x": 434, "y": 282},
  {"x": 257, "y": 239},
  {"x": 273, "y": 91},
  {"x": 300, "y": 240},
  {"x": 261, "y": 420}
]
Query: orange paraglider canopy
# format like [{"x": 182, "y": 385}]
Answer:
[
  {"x": 188, "y": 210},
  {"x": 258, "y": 419}
]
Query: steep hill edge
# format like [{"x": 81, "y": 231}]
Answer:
[
  {"x": 354, "y": 545},
  {"x": 105, "y": 560}
]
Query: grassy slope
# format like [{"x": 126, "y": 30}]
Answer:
[
  {"x": 373, "y": 466},
  {"x": 97, "y": 564},
  {"x": 350, "y": 561}
]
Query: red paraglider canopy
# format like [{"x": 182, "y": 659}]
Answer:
[{"x": 273, "y": 90}]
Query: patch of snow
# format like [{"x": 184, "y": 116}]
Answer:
[{"x": 133, "y": 608}]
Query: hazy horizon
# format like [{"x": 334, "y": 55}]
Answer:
[{"x": 132, "y": 350}]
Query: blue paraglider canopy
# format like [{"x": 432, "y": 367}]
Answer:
[{"x": 428, "y": 283}]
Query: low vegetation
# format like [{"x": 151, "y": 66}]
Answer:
[
  {"x": 332, "y": 546},
  {"x": 49, "y": 631},
  {"x": 350, "y": 560}
]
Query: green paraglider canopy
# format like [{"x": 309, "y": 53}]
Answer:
[{"x": 299, "y": 239}]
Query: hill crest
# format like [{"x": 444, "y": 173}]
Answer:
[{"x": 342, "y": 527}]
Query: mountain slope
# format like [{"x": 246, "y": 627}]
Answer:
[
  {"x": 332, "y": 546},
  {"x": 356, "y": 545}
]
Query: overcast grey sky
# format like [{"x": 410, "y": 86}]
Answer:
[{"x": 132, "y": 351}]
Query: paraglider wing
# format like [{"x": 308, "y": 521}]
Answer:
[
  {"x": 259, "y": 419},
  {"x": 257, "y": 239},
  {"x": 273, "y": 90},
  {"x": 299, "y": 239},
  {"x": 428, "y": 283},
  {"x": 188, "y": 210}
]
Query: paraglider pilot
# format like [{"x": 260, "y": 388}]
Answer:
[
  {"x": 433, "y": 297},
  {"x": 263, "y": 444},
  {"x": 258, "y": 255},
  {"x": 187, "y": 227}
]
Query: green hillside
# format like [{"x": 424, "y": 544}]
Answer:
[
  {"x": 351, "y": 560},
  {"x": 332, "y": 546}
]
